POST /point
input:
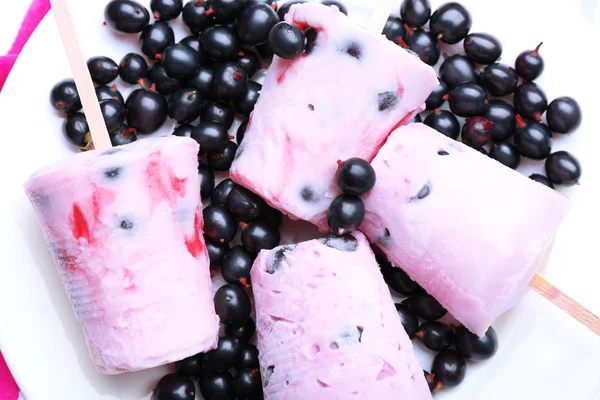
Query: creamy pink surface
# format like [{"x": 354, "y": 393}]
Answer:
[
  {"x": 324, "y": 106},
  {"x": 125, "y": 228},
  {"x": 327, "y": 326},
  {"x": 469, "y": 230}
]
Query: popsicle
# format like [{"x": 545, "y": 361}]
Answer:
[
  {"x": 470, "y": 231},
  {"x": 124, "y": 226},
  {"x": 327, "y": 326},
  {"x": 339, "y": 99}
]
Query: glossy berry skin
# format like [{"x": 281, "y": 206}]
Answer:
[
  {"x": 426, "y": 307},
  {"x": 260, "y": 235},
  {"x": 530, "y": 64},
  {"x": 126, "y": 16},
  {"x": 239, "y": 136},
  {"x": 397, "y": 279},
  {"x": 166, "y": 10},
  {"x": 482, "y": 48},
  {"x": 502, "y": 116},
  {"x": 184, "y": 105},
  {"x": 226, "y": 10},
  {"x": 530, "y": 101},
  {"x": 113, "y": 114},
  {"x": 219, "y": 223},
  {"x": 286, "y": 40},
  {"x": 190, "y": 366},
  {"x": 132, "y": 68},
  {"x": 444, "y": 122},
  {"x": 180, "y": 61},
  {"x": 220, "y": 43},
  {"x": 244, "y": 332},
  {"x": 355, "y": 176},
  {"x": 192, "y": 42},
  {"x": 345, "y": 214},
  {"x": 164, "y": 84},
  {"x": 458, "y": 70},
  {"x": 219, "y": 195},
  {"x": 468, "y": 100},
  {"x": 286, "y": 7},
  {"x": 245, "y": 205},
  {"x": 232, "y": 305},
  {"x": 219, "y": 112},
  {"x": 499, "y": 79},
  {"x": 155, "y": 38},
  {"x": 183, "y": 130},
  {"x": 216, "y": 386},
  {"x": 533, "y": 139},
  {"x": 409, "y": 320},
  {"x": 195, "y": 17},
  {"x": 174, "y": 387},
  {"x": 229, "y": 82},
  {"x": 255, "y": 23},
  {"x": 394, "y": 28},
  {"x": 237, "y": 264},
  {"x": 146, "y": 110},
  {"x": 449, "y": 368},
  {"x": 506, "y": 153},
  {"x": 64, "y": 97},
  {"x": 202, "y": 80},
  {"x": 216, "y": 252},
  {"x": 75, "y": 128},
  {"x": 563, "y": 115},
  {"x": 250, "y": 62},
  {"x": 435, "y": 335},
  {"x": 425, "y": 45},
  {"x": 265, "y": 53},
  {"x": 436, "y": 98},
  {"x": 476, "y": 132},
  {"x": 212, "y": 137},
  {"x": 248, "y": 384},
  {"x": 102, "y": 69},
  {"x": 207, "y": 181},
  {"x": 451, "y": 23},
  {"x": 336, "y": 3},
  {"x": 539, "y": 178},
  {"x": 122, "y": 135},
  {"x": 248, "y": 357},
  {"x": 244, "y": 105},
  {"x": 475, "y": 348},
  {"x": 225, "y": 356},
  {"x": 109, "y": 92},
  {"x": 221, "y": 161},
  {"x": 562, "y": 168},
  {"x": 415, "y": 13}
]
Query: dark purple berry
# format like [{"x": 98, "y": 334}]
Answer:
[
  {"x": 415, "y": 13},
  {"x": 146, "y": 110},
  {"x": 102, "y": 69},
  {"x": 475, "y": 348},
  {"x": 499, "y": 79},
  {"x": 444, "y": 122},
  {"x": 563, "y": 115},
  {"x": 458, "y": 70},
  {"x": 506, "y": 153},
  {"x": 345, "y": 214},
  {"x": 468, "y": 100},
  {"x": 64, "y": 97},
  {"x": 126, "y": 16},
  {"x": 562, "y": 168},
  {"x": 533, "y": 139},
  {"x": 355, "y": 176},
  {"x": 502, "y": 116},
  {"x": 451, "y": 23},
  {"x": 530, "y": 64},
  {"x": 482, "y": 48},
  {"x": 476, "y": 132},
  {"x": 530, "y": 101},
  {"x": 286, "y": 40}
]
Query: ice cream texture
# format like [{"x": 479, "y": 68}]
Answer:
[
  {"x": 327, "y": 326},
  {"x": 469, "y": 230},
  {"x": 339, "y": 99},
  {"x": 124, "y": 226}
]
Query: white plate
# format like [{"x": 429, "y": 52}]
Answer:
[{"x": 543, "y": 353}]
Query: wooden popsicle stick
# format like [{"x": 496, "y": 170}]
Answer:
[
  {"x": 380, "y": 16},
  {"x": 565, "y": 303},
  {"x": 81, "y": 74}
]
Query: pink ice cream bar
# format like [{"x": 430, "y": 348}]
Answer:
[
  {"x": 125, "y": 228},
  {"x": 340, "y": 99},
  {"x": 327, "y": 326},
  {"x": 469, "y": 230}
]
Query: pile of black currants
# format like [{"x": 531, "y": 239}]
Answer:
[{"x": 481, "y": 89}]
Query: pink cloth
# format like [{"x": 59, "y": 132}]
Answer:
[{"x": 37, "y": 10}]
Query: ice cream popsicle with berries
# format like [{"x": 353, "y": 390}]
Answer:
[
  {"x": 341, "y": 98},
  {"x": 124, "y": 226},
  {"x": 327, "y": 326}
]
